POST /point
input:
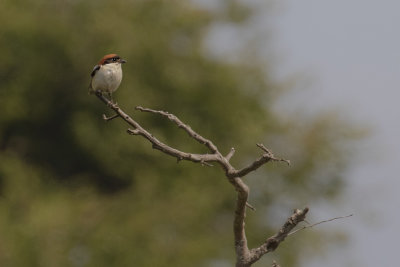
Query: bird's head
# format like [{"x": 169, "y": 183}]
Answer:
[{"x": 111, "y": 58}]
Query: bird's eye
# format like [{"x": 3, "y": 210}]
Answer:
[{"x": 115, "y": 59}]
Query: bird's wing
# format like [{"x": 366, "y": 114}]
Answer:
[{"x": 96, "y": 68}]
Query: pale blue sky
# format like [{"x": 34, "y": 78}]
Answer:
[
  {"x": 350, "y": 51},
  {"x": 344, "y": 55}
]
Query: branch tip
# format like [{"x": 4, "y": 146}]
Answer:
[
  {"x": 266, "y": 150},
  {"x": 230, "y": 154},
  {"x": 110, "y": 118},
  {"x": 204, "y": 163},
  {"x": 250, "y": 206},
  {"x": 268, "y": 154},
  {"x": 314, "y": 224},
  {"x": 133, "y": 131}
]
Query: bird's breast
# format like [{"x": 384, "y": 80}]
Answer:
[{"x": 107, "y": 78}]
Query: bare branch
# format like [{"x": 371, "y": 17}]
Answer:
[
  {"x": 250, "y": 206},
  {"x": 251, "y": 167},
  {"x": 273, "y": 242},
  {"x": 271, "y": 155},
  {"x": 245, "y": 257},
  {"x": 312, "y": 225},
  {"x": 203, "y": 163},
  {"x": 230, "y": 154},
  {"x": 266, "y": 157},
  {"x": 184, "y": 126},
  {"x": 133, "y": 131},
  {"x": 156, "y": 144},
  {"x": 110, "y": 118}
]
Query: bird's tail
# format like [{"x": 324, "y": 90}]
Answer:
[{"x": 91, "y": 91}]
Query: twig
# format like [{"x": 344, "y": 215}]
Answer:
[
  {"x": 250, "y": 206},
  {"x": 312, "y": 225},
  {"x": 230, "y": 154},
  {"x": 271, "y": 155},
  {"x": 110, "y": 118}
]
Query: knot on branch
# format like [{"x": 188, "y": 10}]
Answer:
[{"x": 272, "y": 243}]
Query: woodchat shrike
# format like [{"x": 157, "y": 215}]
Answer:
[{"x": 107, "y": 75}]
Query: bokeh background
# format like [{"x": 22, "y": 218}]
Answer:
[{"x": 76, "y": 191}]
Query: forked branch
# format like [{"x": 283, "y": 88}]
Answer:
[{"x": 244, "y": 256}]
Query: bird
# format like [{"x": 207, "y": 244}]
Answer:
[{"x": 107, "y": 75}]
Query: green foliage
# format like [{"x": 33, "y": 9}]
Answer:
[{"x": 75, "y": 191}]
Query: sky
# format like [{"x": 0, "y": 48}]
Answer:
[
  {"x": 342, "y": 55},
  {"x": 350, "y": 53}
]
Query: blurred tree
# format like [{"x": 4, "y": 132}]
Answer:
[{"x": 75, "y": 191}]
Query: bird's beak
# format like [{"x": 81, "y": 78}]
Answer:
[{"x": 123, "y": 60}]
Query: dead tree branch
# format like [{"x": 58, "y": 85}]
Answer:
[
  {"x": 244, "y": 256},
  {"x": 320, "y": 222}
]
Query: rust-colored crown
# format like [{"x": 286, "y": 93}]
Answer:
[{"x": 109, "y": 56}]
